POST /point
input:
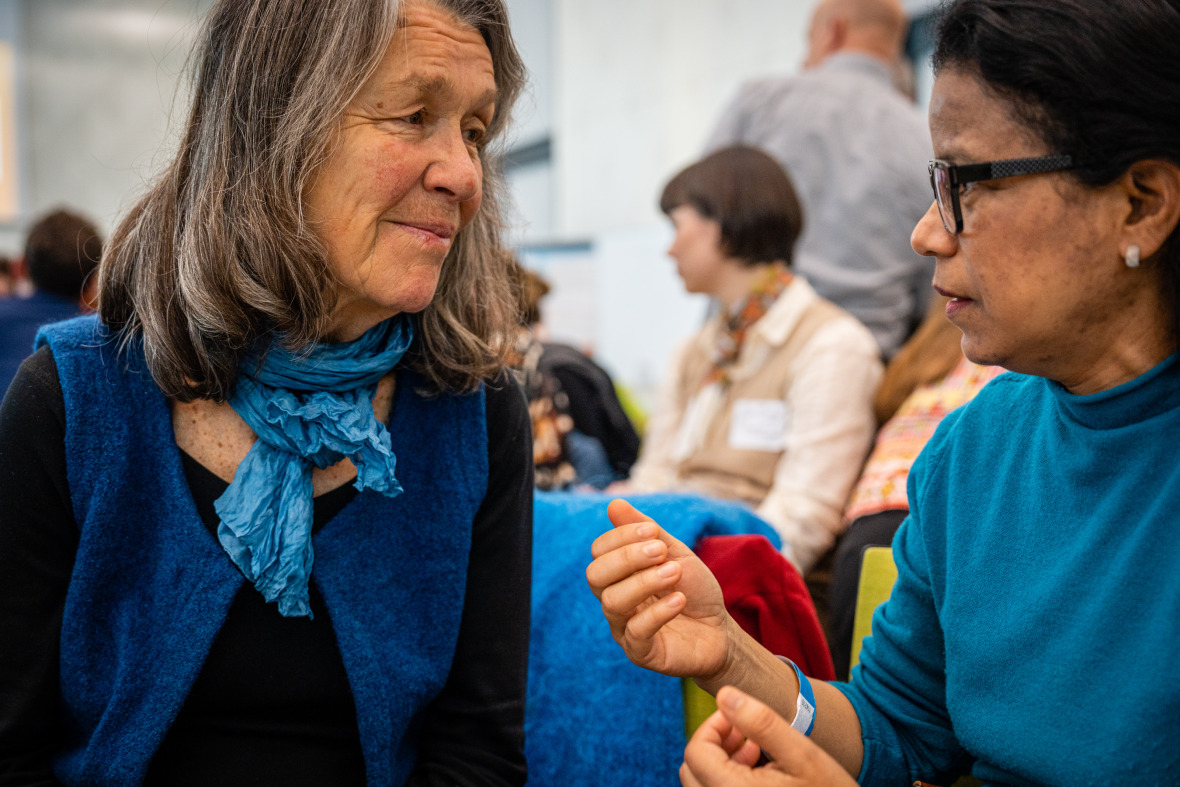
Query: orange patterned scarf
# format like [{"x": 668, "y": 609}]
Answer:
[{"x": 735, "y": 325}]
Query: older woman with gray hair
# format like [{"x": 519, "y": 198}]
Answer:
[{"x": 267, "y": 517}]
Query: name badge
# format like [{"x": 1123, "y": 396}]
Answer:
[{"x": 758, "y": 425}]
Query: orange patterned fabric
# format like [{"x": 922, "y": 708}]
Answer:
[
  {"x": 882, "y": 484},
  {"x": 729, "y": 339}
]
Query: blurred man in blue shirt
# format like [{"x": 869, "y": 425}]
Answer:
[{"x": 61, "y": 254}]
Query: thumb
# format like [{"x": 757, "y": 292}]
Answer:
[
  {"x": 774, "y": 735},
  {"x": 620, "y": 513}
]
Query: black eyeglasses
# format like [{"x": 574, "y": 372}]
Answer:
[{"x": 946, "y": 179}]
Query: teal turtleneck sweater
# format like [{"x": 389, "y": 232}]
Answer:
[{"x": 1037, "y": 606}]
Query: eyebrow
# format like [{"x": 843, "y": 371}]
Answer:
[
  {"x": 425, "y": 85},
  {"x": 955, "y": 155}
]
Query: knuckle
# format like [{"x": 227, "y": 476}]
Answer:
[
  {"x": 608, "y": 599},
  {"x": 635, "y": 554},
  {"x": 594, "y": 576},
  {"x": 634, "y": 630},
  {"x": 614, "y": 601}
]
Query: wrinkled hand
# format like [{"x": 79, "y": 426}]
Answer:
[
  {"x": 664, "y": 607},
  {"x": 726, "y": 747}
]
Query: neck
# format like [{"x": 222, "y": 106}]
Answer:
[
  {"x": 739, "y": 283},
  {"x": 1118, "y": 350},
  {"x": 1117, "y": 366},
  {"x": 869, "y": 48},
  {"x": 351, "y": 323}
]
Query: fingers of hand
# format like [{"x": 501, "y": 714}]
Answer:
[
  {"x": 717, "y": 754},
  {"x": 630, "y": 525},
  {"x": 621, "y": 535},
  {"x": 626, "y": 563},
  {"x": 793, "y": 752},
  {"x": 687, "y": 779},
  {"x": 625, "y": 595},
  {"x": 733, "y": 739},
  {"x": 747, "y": 754},
  {"x": 706, "y": 754},
  {"x": 620, "y": 513},
  {"x": 647, "y": 622}
]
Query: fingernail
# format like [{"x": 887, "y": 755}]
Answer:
[
  {"x": 667, "y": 570},
  {"x": 645, "y": 531},
  {"x": 675, "y": 600},
  {"x": 733, "y": 699},
  {"x": 654, "y": 549}
]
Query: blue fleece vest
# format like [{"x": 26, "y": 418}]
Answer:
[{"x": 151, "y": 586}]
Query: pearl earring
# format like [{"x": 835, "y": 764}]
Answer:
[{"x": 1132, "y": 257}]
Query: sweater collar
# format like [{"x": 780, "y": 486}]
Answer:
[{"x": 1152, "y": 393}]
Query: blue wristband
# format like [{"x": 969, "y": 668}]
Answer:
[{"x": 804, "y": 720}]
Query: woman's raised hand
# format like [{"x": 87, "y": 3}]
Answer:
[
  {"x": 726, "y": 748},
  {"x": 664, "y": 607}
]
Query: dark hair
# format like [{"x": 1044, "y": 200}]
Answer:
[
  {"x": 749, "y": 195},
  {"x": 533, "y": 289},
  {"x": 61, "y": 252},
  {"x": 1095, "y": 79}
]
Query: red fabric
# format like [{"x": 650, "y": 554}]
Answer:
[{"x": 766, "y": 596}]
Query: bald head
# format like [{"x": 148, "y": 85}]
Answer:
[{"x": 873, "y": 27}]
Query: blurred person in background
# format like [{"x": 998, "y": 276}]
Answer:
[
  {"x": 62, "y": 252},
  {"x": 771, "y": 402},
  {"x": 267, "y": 516},
  {"x": 581, "y": 434},
  {"x": 855, "y": 149},
  {"x": 7, "y": 277}
]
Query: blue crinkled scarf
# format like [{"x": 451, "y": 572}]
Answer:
[{"x": 311, "y": 409}]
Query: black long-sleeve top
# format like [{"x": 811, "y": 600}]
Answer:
[{"x": 271, "y": 704}]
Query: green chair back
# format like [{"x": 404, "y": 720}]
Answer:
[
  {"x": 877, "y": 575},
  {"x": 698, "y": 706}
]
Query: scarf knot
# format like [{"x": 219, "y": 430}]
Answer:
[
  {"x": 308, "y": 410},
  {"x": 736, "y": 323}
]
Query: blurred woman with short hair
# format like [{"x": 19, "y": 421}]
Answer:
[{"x": 771, "y": 402}]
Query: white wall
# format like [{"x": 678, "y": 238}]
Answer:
[
  {"x": 98, "y": 78},
  {"x": 640, "y": 83},
  {"x": 11, "y": 35}
]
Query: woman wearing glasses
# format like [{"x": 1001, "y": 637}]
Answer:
[{"x": 1037, "y": 589}]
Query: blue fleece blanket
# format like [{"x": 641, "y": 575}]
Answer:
[{"x": 593, "y": 717}]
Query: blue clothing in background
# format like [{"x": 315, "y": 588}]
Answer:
[
  {"x": 1037, "y": 607},
  {"x": 593, "y": 718},
  {"x": 19, "y": 320}
]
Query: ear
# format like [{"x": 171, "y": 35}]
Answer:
[
  {"x": 1152, "y": 188},
  {"x": 837, "y": 33},
  {"x": 89, "y": 299}
]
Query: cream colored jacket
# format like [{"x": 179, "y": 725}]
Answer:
[{"x": 788, "y": 434}]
